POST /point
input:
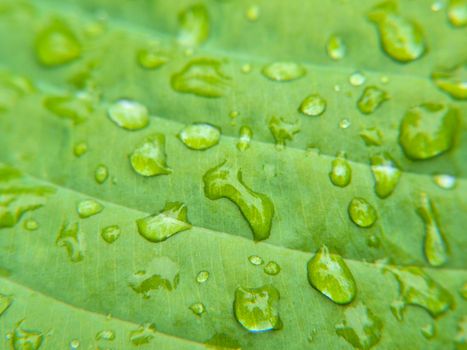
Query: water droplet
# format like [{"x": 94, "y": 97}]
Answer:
[
  {"x": 428, "y": 130},
  {"x": 371, "y": 98},
  {"x": 170, "y": 220},
  {"x": 149, "y": 158},
  {"x": 198, "y": 309},
  {"x": 336, "y": 48},
  {"x": 384, "y": 79},
  {"x": 200, "y": 136},
  {"x": 256, "y": 309},
  {"x": 435, "y": 247},
  {"x": 246, "y": 134},
  {"x": 461, "y": 336},
  {"x": 401, "y": 38},
  {"x": 337, "y": 88},
  {"x": 202, "y": 276},
  {"x": 143, "y": 335},
  {"x": 202, "y": 77},
  {"x": 417, "y": 288},
  {"x": 5, "y": 302},
  {"x": 88, "y": 207},
  {"x": 457, "y": 12},
  {"x": 283, "y": 71},
  {"x": 56, "y": 44},
  {"x": 329, "y": 274},
  {"x": 74, "y": 344},
  {"x": 101, "y": 174},
  {"x": 437, "y": 6},
  {"x": 246, "y": 68},
  {"x": 23, "y": 339},
  {"x": 161, "y": 273},
  {"x": 151, "y": 57},
  {"x": 252, "y": 13},
  {"x": 372, "y": 136},
  {"x": 255, "y": 260},
  {"x": 344, "y": 123},
  {"x": 341, "y": 172},
  {"x": 361, "y": 327},
  {"x": 357, "y": 79},
  {"x": 223, "y": 181},
  {"x": 31, "y": 225},
  {"x": 428, "y": 331},
  {"x": 386, "y": 174},
  {"x": 110, "y": 233},
  {"x": 77, "y": 108},
  {"x": 128, "y": 114},
  {"x": 194, "y": 25},
  {"x": 272, "y": 268},
  {"x": 106, "y": 334},
  {"x": 283, "y": 129},
  {"x": 72, "y": 239},
  {"x": 452, "y": 81},
  {"x": 80, "y": 149},
  {"x": 362, "y": 213},
  {"x": 313, "y": 105}
]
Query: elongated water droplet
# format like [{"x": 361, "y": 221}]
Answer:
[
  {"x": 56, "y": 44},
  {"x": 200, "y": 136},
  {"x": 110, "y": 233},
  {"x": 128, "y": 114},
  {"x": 5, "y": 302},
  {"x": 372, "y": 136},
  {"x": 202, "y": 276},
  {"x": 357, "y": 79},
  {"x": 336, "y": 48},
  {"x": 202, "y": 77},
  {"x": 435, "y": 246},
  {"x": 428, "y": 130},
  {"x": 194, "y": 25},
  {"x": 198, "y": 309},
  {"x": 428, "y": 331},
  {"x": 223, "y": 181},
  {"x": 313, "y": 105},
  {"x": 272, "y": 268},
  {"x": 386, "y": 174},
  {"x": 401, "y": 38},
  {"x": 31, "y": 225},
  {"x": 151, "y": 57},
  {"x": 143, "y": 334},
  {"x": 101, "y": 174},
  {"x": 171, "y": 220},
  {"x": 283, "y": 129},
  {"x": 341, "y": 172},
  {"x": 246, "y": 134},
  {"x": 255, "y": 260},
  {"x": 88, "y": 208},
  {"x": 256, "y": 309},
  {"x": 77, "y": 109},
  {"x": 106, "y": 334},
  {"x": 161, "y": 273},
  {"x": 149, "y": 158},
  {"x": 361, "y": 327},
  {"x": 80, "y": 148},
  {"x": 329, "y": 274},
  {"x": 371, "y": 99},
  {"x": 362, "y": 213},
  {"x": 452, "y": 81},
  {"x": 417, "y": 288},
  {"x": 71, "y": 238},
  {"x": 457, "y": 12},
  {"x": 283, "y": 71},
  {"x": 23, "y": 339}
]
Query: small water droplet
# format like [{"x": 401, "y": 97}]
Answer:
[
  {"x": 386, "y": 174},
  {"x": 143, "y": 334},
  {"x": 428, "y": 331},
  {"x": 200, "y": 136},
  {"x": 149, "y": 158},
  {"x": 194, "y": 25},
  {"x": 283, "y": 71},
  {"x": 371, "y": 99},
  {"x": 337, "y": 88},
  {"x": 452, "y": 81},
  {"x": 246, "y": 68},
  {"x": 272, "y": 268},
  {"x": 106, "y": 334},
  {"x": 457, "y": 12},
  {"x": 101, "y": 174},
  {"x": 329, "y": 274},
  {"x": 313, "y": 105},
  {"x": 224, "y": 181},
  {"x": 23, "y": 339},
  {"x": 372, "y": 136},
  {"x": 74, "y": 344},
  {"x": 428, "y": 130},
  {"x": 362, "y": 213},
  {"x": 246, "y": 134},
  {"x": 128, "y": 114},
  {"x": 89, "y": 207},
  {"x": 151, "y": 57},
  {"x": 252, "y": 13},
  {"x": 80, "y": 148},
  {"x": 344, "y": 123},
  {"x": 198, "y": 309},
  {"x": 110, "y": 233},
  {"x": 256, "y": 309},
  {"x": 255, "y": 260},
  {"x": 31, "y": 225},
  {"x": 283, "y": 129},
  {"x": 357, "y": 79},
  {"x": 5, "y": 302},
  {"x": 202, "y": 276},
  {"x": 341, "y": 172},
  {"x": 336, "y": 48},
  {"x": 437, "y": 6},
  {"x": 384, "y": 79},
  {"x": 72, "y": 240}
]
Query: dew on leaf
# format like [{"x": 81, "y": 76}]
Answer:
[
  {"x": 80, "y": 148},
  {"x": 149, "y": 157},
  {"x": 72, "y": 240},
  {"x": 110, "y": 233},
  {"x": 256, "y": 309},
  {"x": 336, "y": 48},
  {"x": 23, "y": 339},
  {"x": 194, "y": 25},
  {"x": 341, "y": 172},
  {"x": 143, "y": 334},
  {"x": 386, "y": 174},
  {"x": 362, "y": 213},
  {"x": 255, "y": 260},
  {"x": 329, "y": 274},
  {"x": 31, "y": 225},
  {"x": 457, "y": 12},
  {"x": 224, "y": 181},
  {"x": 106, "y": 334},
  {"x": 283, "y": 129},
  {"x": 428, "y": 330},
  {"x": 170, "y": 220},
  {"x": 357, "y": 79},
  {"x": 198, "y": 309},
  {"x": 202, "y": 276},
  {"x": 151, "y": 57},
  {"x": 372, "y": 136},
  {"x": 77, "y": 109},
  {"x": 452, "y": 81},
  {"x": 101, "y": 174},
  {"x": 5, "y": 302},
  {"x": 283, "y": 71},
  {"x": 129, "y": 114},
  {"x": 272, "y": 268},
  {"x": 246, "y": 134},
  {"x": 313, "y": 105},
  {"x": 88, "y": 207},
  {"x": 371, "y": 99},
  {"x": 200, "y": 136}
]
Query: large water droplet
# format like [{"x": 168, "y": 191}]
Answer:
[
  {"x": 452, "y": 81},
  {"x": 5, "y": 302},
  {"x": 88, "y": 208},
  {"x": 283, "y": 129},
  {"x": 246, "y": 134},
  {"x": 283, "y": 71},
  {"x": 401, "y": 38},
  {"x": 171, "y": 220},
  {"x": 341, "y": 172},
  {"x": 194, "y": 25},
  {"x": 272, "y": 268},
  {"x": 128, "y": 114},
  {"x": 77, "y": 109},
  {"x": 202, "y": 77},
  {"x": 223, "y": 181},
  {"x": 372, "y": 136},
  {"x": 335, "y": 47},
  {"x": 313, "y": 105},
  {"x": 457, "y": 12},
  {"x": 110, "y": 233},
  {"x": 198, "y": 309},
  {"x": 371, "y": 99},
  {"x": 362, "y": 213},
  {"x": 56, "y": 44},
  {"x": 143, "y": 334},
  {"x": 23, "y": 339},
  {"x": 361, "y": 327},
  {"x": 106, "y": 334},
  {"x": 149, "y": 158},
  {"x": 161, "y": 273},
  {"x": 256, "y": 309},
  {"x": 72, "y": 239},
  {"x": 386, "y": 174},
  {"x": 435, "y": 247},
  {"x": 329, "y": 274},
  {"x": 200, "y": 136},
  {"x": 428, "y": 130}
]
